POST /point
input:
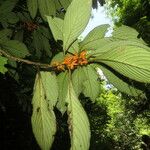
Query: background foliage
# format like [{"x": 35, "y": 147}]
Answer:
[{"x": 25, "y": 33}]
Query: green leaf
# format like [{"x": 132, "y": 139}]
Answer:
[
  {"x": 91, "y": 85},
  {"x": 65, "y": 3},
  {"x": 50, "y": 86},
  {"x": 15, "y": 48},
  {"x": 11, "y": 18},
  {"x": 3, "y": 61},
  {"x": 74, "y": 47},
  {"x": 47, "y": 8},
  {"x": 78, "y": 77},
  {"x": 120, "y": 84},
  {"x": 7, "y": 6},
  {"x": 78, "y": 122},
  {"x": 76, "y": 19},
  {"x": 56, "y": 26},
  {"x": 58, "y": 57},
  {"x": 93, "y": 39},
  {"x": 5, "y": 35},
  {"x": 113, "y": 44},
  {"x": 63, "y": 79},
  {"x": 43, "y": 118},
  {"x": 46, "y": 46},
  {"x": 130, "y": 61},
  {"x": 32, "y": 7},
  {"x": 126, "y": 33}
]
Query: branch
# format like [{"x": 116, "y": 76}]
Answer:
[{"x": 41, "y": 65}]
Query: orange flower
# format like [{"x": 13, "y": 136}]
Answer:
[{"x": 82, "y": 58}]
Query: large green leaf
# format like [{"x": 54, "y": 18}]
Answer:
[
  {"x": 126, "y": 33},
  {"x": 15, "y": 48},
  {"x": 79, "y": 127},
  {"x": 130, "y": 61},
  {"x": 43, "y": 118},
  {"x": 50, "y": 86},
  {"x": 76, "y": 19},
  {"x": 63, "y": 80},
  {"x": 91, "y": 85},
  {"x": 5, "y": 35},
  {"x": 56, "y": 26},
  {"x": 47, "y": 8},
  {"x": 78, "y": 77},
  {"x": 120, "y": 84},
  {"x": 94, "y": 38},
  {"x": 3, "y": 61},
  {"x": 113, "y": 44},
  {"x": 32, "y": 7}
]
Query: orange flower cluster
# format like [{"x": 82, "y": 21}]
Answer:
[
  {"x": 30, "y": 26},
  {"x": 71, "y": 62}
]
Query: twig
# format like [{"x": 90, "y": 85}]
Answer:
[{"x": 41, "y": 65}]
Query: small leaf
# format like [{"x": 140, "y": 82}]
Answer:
[
  {"x": 120, "y": 84},
  {"x": 32, "y": 7},
  {"x": 50, "y": 86},
  {"x": 43, "y": 118},
  {"x": 78, "y": 77},
  {"x": 91, "y": 85},
  {"x": 56, "y": 26},
  {"x": 93, "y": 39},
  {"x": 63, "y": 79},
  {"x": 79, "y": 127},
  {"x": 7, "y": 6},
  {"x": 5, "y": 35},
  {"x": 3, "y": 61},
  {"x": 15, "y": 48},
  {"x": 11, "y": 18},
  {"x": 47, "y": 8},
  {"x": 58, "y": 57},
  {"x": 76, "y": 19},
  {"x": 130, "y": 61}
]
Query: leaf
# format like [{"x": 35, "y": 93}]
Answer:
[
  {"x": 3, "y": 61},
  {"x": 63, "y": 79},
  {"x": 50, "y": 86},
  {"x": 113, "y": 44},
  {"x": 78, "y": 77},
  {"x": 74, "y": 47},
  {"x": 130, "y": 61},
  {"x": 76, "y": 19},
  {"x": 46, "y": 46},
  {"x": 11, "y": 18},
  {"x": 93, "y": 39},
  {"x": 5, "y": 35},
  {"x": 32, "y": 7},
  {"x": 7, "y": 6},
  {"x": 65, "y": 3},
  {"x": 91, "y": 85},
  {"x": 56, "y": 26},
  {"x": 58, "y": 57},
  {"x": 43, "y": 118},
  {"x": 15, "y": 48},
  {"x": 126, "y": 33},
  {"x": 120, "y": 84},
  {"x": 78, "y": 122},
  {"x": 47, "y": 8}
]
